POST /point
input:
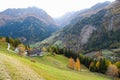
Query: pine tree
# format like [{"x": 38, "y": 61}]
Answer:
[
  {"x": 7, "y": 39},
  {"x": 102, "y": 66},
  {"x": 92, "y": 66},
  {"x": 11, "y": 40},
  {"x": 81, "y": 58},
  {"x": 16, "y": 42}
]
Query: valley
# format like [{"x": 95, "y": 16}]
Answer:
[{"x": 80, "y": 45}]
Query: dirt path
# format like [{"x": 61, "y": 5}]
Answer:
[
  {"x": 8, "y": 48},
  {"x": 4, "y": 75},
  {"x": 13, "y": 69}
]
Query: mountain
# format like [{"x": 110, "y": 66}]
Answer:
[
  {"x": 65, "y": 19},
  {"x": 28, "y": 24},
  {"x": 73, "y": 17},
  {"x": 96, "y": 31}
]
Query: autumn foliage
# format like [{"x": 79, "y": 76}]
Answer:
[
  {"x": 112, "y": 70},
  {"x": 71, "y": 63},
  {"x": 74, "y": 65},
  {"x": 3, "y": 39},
  {"x": 21, "y": 48},
  {"x": 44, "y": 49},
  {"x": 77, "y": 65}
]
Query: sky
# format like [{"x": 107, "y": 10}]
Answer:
[{"x": 54, "y": 8}]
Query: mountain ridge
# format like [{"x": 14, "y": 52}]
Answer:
[
  {"x": 72, "y": 17},
  {"x": 90, "y": 32},
  {"x": 36, "y": 19}
]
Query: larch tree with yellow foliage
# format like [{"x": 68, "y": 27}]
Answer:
[
  {"x": 97, "y": 65},
  {"x": 77, "y": 65},
  {"x": 44, "y": 49},
  {"x": 21, "y": 49},
  {"x": 71, "y": 63}
]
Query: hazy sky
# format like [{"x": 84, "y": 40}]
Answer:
[{"x": 55, "y": 8}]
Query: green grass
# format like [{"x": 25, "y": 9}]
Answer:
[
  {"x": 59, "y": 43},
  {"x": 50, "y": 40},
  {"x": 55, "y": 61},
  {"x": 118, "y": 49},
  {"x": 48, "y": 67},
  {"x": 107, "y": 52}
]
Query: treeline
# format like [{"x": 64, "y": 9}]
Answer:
[
  {"x": 106, "y": 67},
  {"x": 70, "y": 54},
  {"x": 14, "y": 42},
  {"x": 16, "y": 45},
  {"x": 99, "y": 65}
]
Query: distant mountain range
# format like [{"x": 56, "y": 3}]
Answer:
[
  {"x": 91, "y": 29},
  {"x": 29, "y": 24},
  {"x": 73, "y": 17},
  {"x": 86, "y": 30}
]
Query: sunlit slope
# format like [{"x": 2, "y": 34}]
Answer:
[{"x": 48, "y": 67}]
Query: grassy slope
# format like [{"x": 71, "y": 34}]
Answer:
[{"x": 13, "y": 67}]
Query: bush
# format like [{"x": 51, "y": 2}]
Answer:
[{"x": 112, "y": 70}]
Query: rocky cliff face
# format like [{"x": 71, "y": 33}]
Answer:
[{"x": 112, "y": 16}]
